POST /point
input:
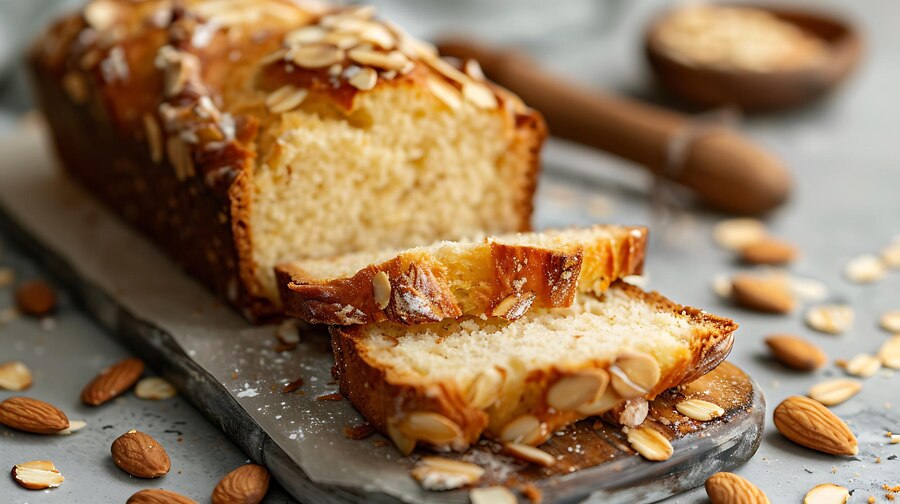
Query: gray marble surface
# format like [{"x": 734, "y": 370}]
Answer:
[{"x": 845, "y": 157}]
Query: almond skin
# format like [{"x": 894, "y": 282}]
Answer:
[
  {"x": 140, "y": 455},
  {"x": 764, "y": 294},
  {"x": 796, "y": 353},
  {"x": 112, "y": 382},
  {"x": 158, "y": 496},
  {"x": 729, "y": 488},
  {"x": 769, "y": 251},
  {"x": 247, "y": 484},
  {"x": 30, "y": 415},
  {"x": 810, "y": 424}
]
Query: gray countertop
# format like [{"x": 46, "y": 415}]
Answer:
[{"x": 845, "y": 157}]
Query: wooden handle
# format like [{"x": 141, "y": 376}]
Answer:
[{"x": 723, "y": 168}]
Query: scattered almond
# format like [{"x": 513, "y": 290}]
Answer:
[
  {"x": 700, "y": 410},
  {"x": 154, "y": 388},
  {"x": 140, "y": 455},
  {"x": 807, "y": 289},
  {"x": 796, "y": 353},
  {"x": 890, "y": 321},
  {"x": 37, "y": 475},
  {"x": 247, "y": 484},
  {"x": 529, "y": 454},
  {"x": 834, "y": 392},
  {"x": 74, "y": 426},
  {"x": 735, "y": 234},
  {"x": 381, "y": 289},
  {"x": 721, "y": 285},
  {"x": 769, "y": 251},
  {"x": 765, "y": 293},
  {"x": 158, "y": 496},
  {"x": 112, "y": 382},
  {"x": 15, "y": 376},
  {"x": 890, "y": 255},
  {"x": 7, "y": 276},
  {"x": 895, "y": 438},
  {"x": 890, "y": 353},
  {"x": 357, "y": 432},
  {"x": 729, "y": 488},
  {"x": 865, "y": 269},
  {"x": 810, "y": 424},
  {"x": 827, "y": 494},
  {"x": 31, "y": 415},
  {"x": 863, "y": 365},
  {"x": 438, "y": 473},
  {"x": 35, "y": 298},
  {"x": 650, "y": 443},
  {"x": 830, "y": 318},
  {"x": 492, "y": 495}
]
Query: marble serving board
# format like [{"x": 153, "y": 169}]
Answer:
[{"x": 232, "y": 372}]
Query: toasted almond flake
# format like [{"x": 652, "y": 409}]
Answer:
[
  {"x": 444, "y": 92},
  {"x": 735, "y": 234},
  {"x": 525, "y": 429},
  {"x": 603, "y": 403},
  {"x": 393, "y": 60},
  {"x": 446, "y": 69},
  {"x": 74, "y": 426},
  {"x": 650, "y": 443},
  {"x": 492, "y": 495},
  {"x": 430, "y": 427},
  {"x": 101, "y": 15},
  {"x": 834, "y": 392},
  {"x": 306, "y": 35},
  {"x": 286, "y": 98},
  {"x": 316, "y": 55},
  {"x": 438, "y": 473},
  {"x": 865, "y": 269},
  {"x": 890, "y": 321},
  {"x": 480, "y": 95},
  {"x": 14, "y": 375},
  {"x": 895, "y": 438},
  {"x": 342, "y": 40},
  {"x": 890, "y": 255},
  {"x": 154, "y": 137},
  {"x": 634, "y": 374},
  {"x": 37, "y": 475},
  {"x": 700, "y": 410},
  {"x": 807, "y": 289},
  {"x": 473, "y": 70},
  {"x": 529, "y": 454},
  {"x": 863, "y": 365},
  {"x": 830, "y": 318},
  {"x": 484, "y": 390},
  {"x": 364, "y": 80},
  {"x": 721, "y": 285},
  {"x": 377, "y": 35},
  {"x": 405, "y": 444},
  {"x": 577, "y": 389},
  {"x": 890, "y": 353},
  {"x": 154, "y": 388},
  {"x": 270, "y": 58},
  {"x": 827, "y": 494}
]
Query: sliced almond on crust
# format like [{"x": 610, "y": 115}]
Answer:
[
  {"x": 393, "y": 60},
  {"x": 306, "y": 35},
  {"x": 381, "y": 289},
  {"x": 485, "y": 389},
  {"x": 364, "y": 80},
  {"x": 286, "y": 98},
  {"x": 834, "y": 392},
  {"x": 634, "y": 374},
  {"x": 405, "y": 445},
  {"x": 314, "y": 56},
  {"x": 430, "y": 427},
  {"x": 480, "y": 95},
  {"x": 529, "y": 454},
  {"x": 578, "y": 389},
  {"x": 650, "y": 443},
  {"x": 492, "y": 495},
  {"x": 444, "y": 92},
  {"x": 37, "y": 475},
  {"x": 603, "y": 403},
  {"x": 525, "y": 429},
  {"x": 15, "y": 376}
]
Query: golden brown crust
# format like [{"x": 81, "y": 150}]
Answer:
[
  {"x": 491, "y": 278},
  {"x": 158, "y": 111},
  {"x": 383, "y": 399}
]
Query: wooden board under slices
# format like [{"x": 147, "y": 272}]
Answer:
[{"x": 231, "y": 373}]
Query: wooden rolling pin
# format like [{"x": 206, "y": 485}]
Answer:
[{"x": 726, "y": 170}]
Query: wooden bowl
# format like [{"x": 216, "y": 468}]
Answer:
[{"x": 761, "y": 91}]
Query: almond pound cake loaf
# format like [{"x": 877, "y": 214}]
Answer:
[
  {"x": 445, "y": 384},
  {"x": 502, "y": 276},
  {"x": 240, "y": 134}
]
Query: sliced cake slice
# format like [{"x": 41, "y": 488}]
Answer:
[
  {"x": 502, "y": 276},
  {"x": 447, "y": 383}
]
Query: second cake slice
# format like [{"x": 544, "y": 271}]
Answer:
[{"x": 501, "y": 276}]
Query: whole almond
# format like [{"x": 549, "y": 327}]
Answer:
[
  {"x": 796, "y": 352},
  {"x": 810, "y": 424},
  {"x": 769, "y": 251},
  {"x": 158, "y": 496},
  {"x": 247, "y": 484},
  {"x": 112, "y": 382},
  {"x": 770, "y": 293},
  {"x": 30, "y": 415},
  {"x": 729, "y": 488},
  {"x": 140, "y": 455},
  {"x": 35, "y": 298}
]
